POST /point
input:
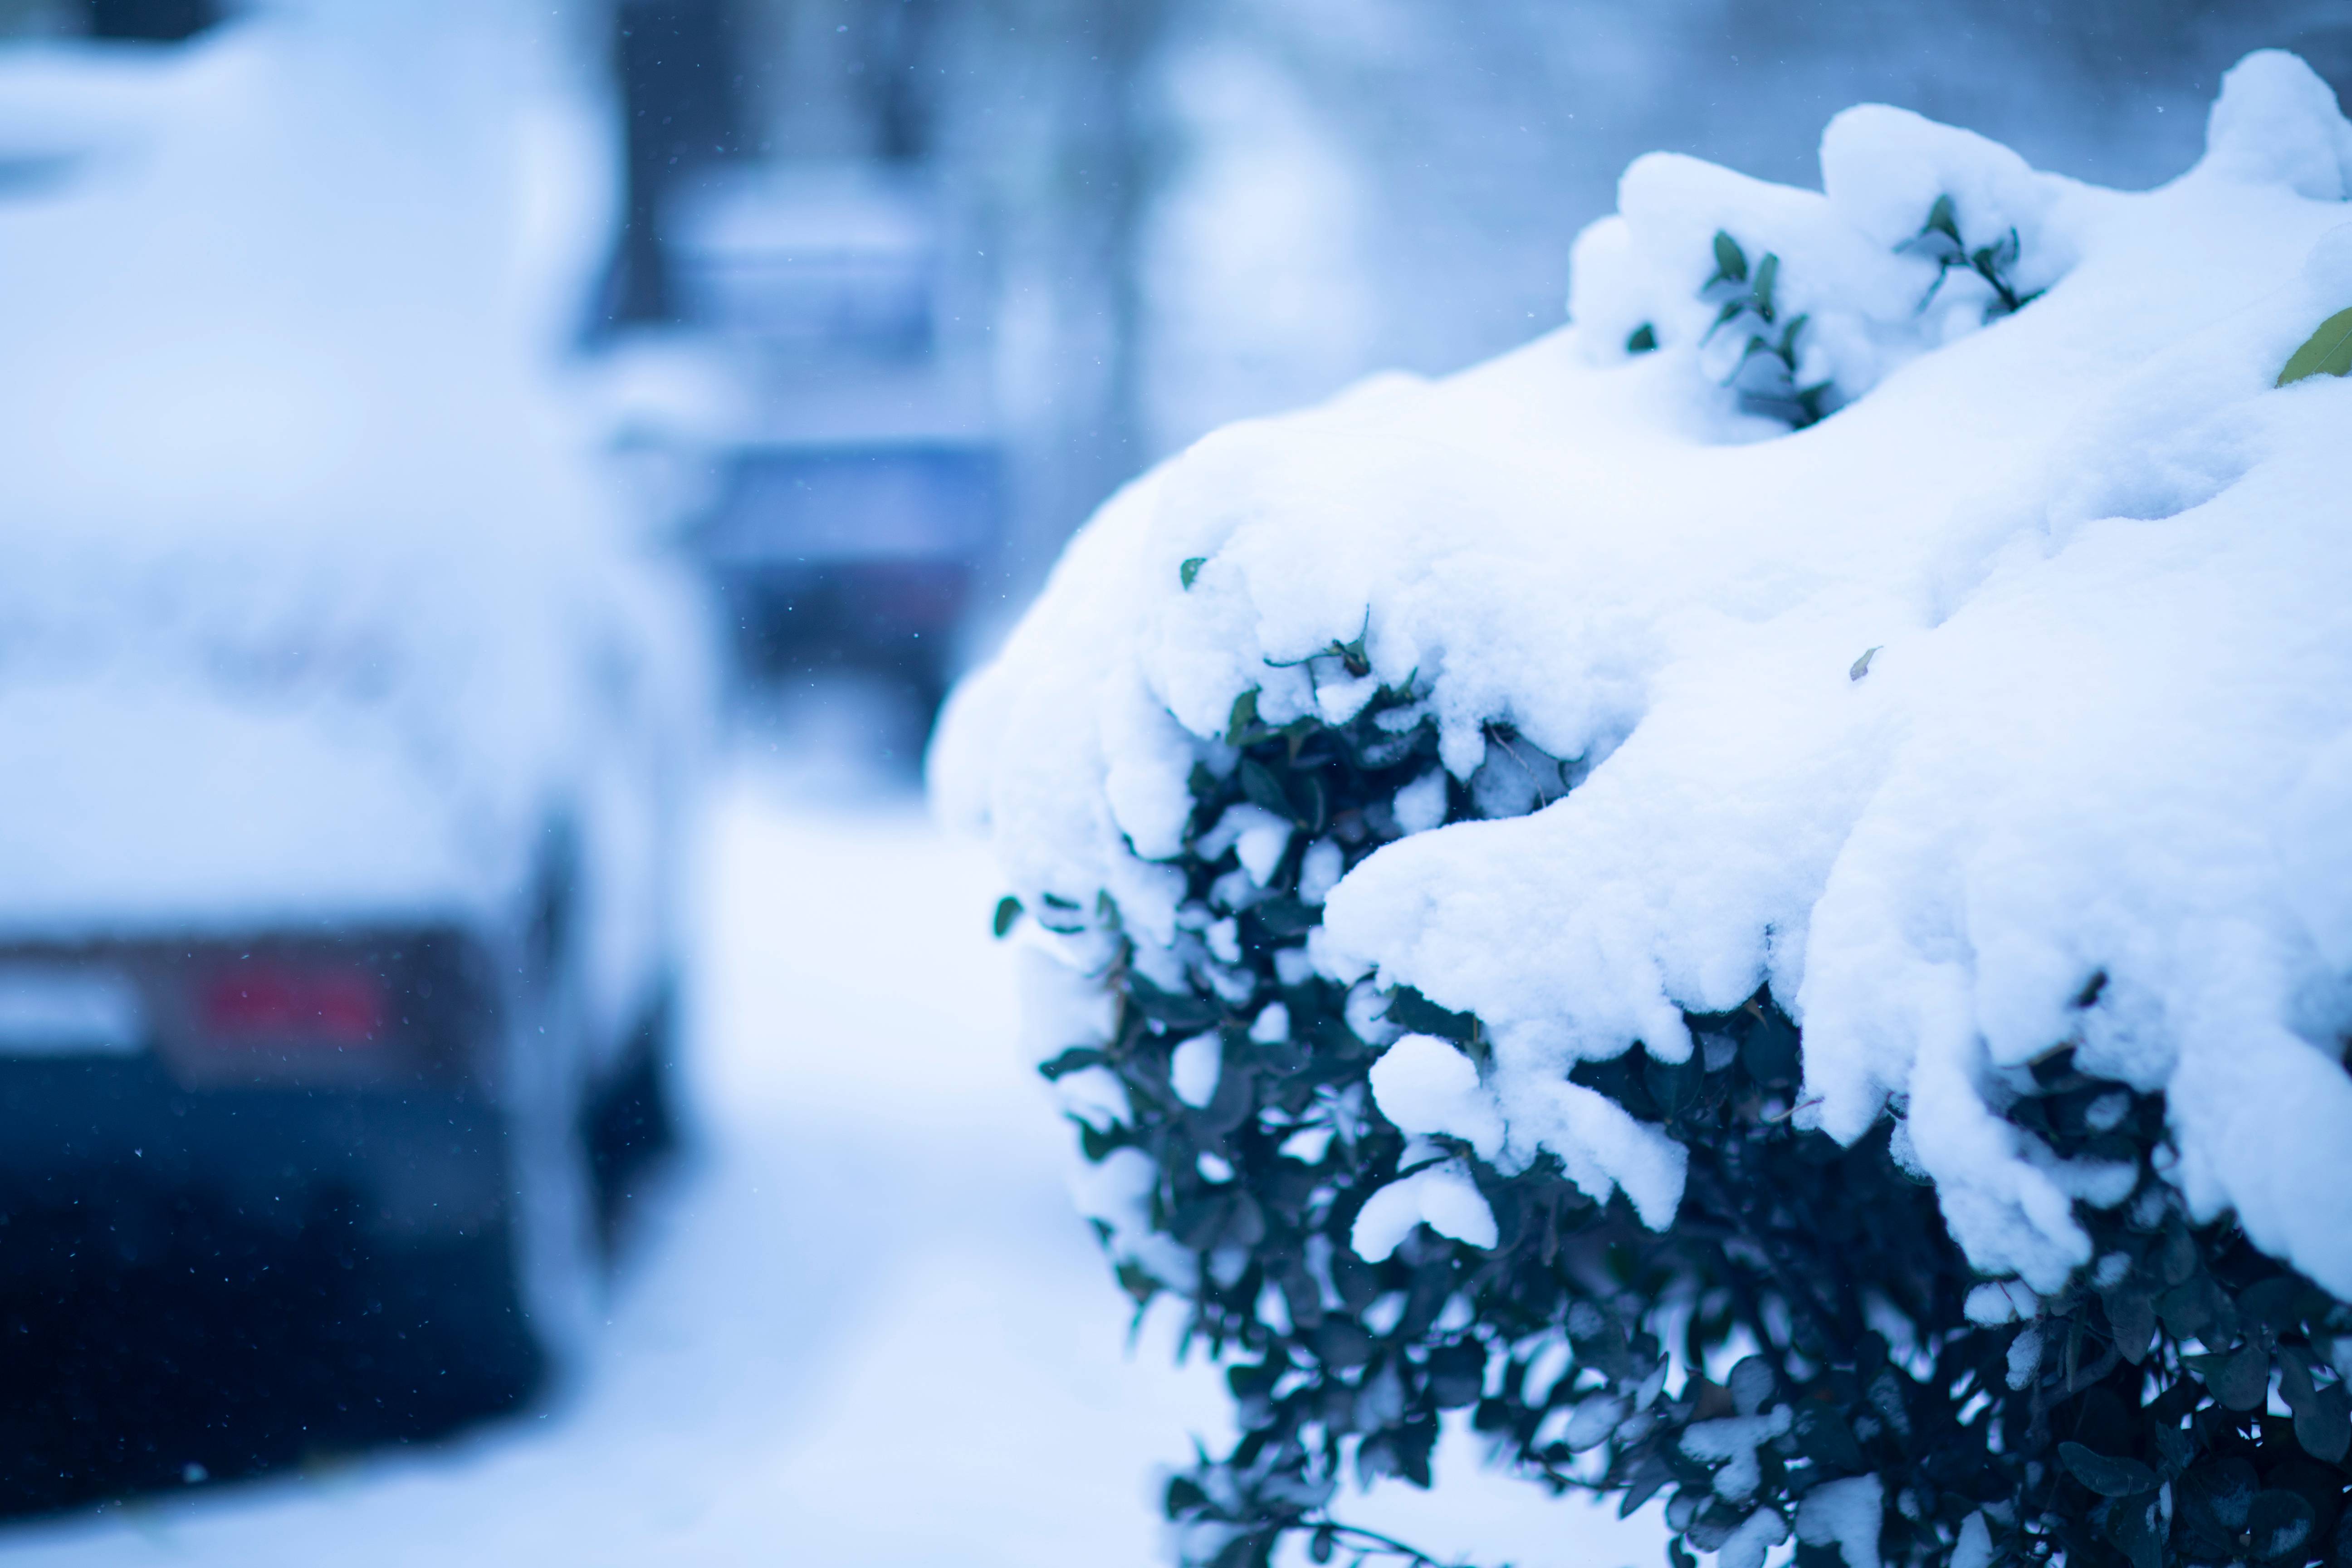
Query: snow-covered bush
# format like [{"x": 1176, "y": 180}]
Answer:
[{"x": 1758, "y": 893}]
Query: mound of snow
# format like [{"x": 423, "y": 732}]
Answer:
[{"x": 2105, "y": 566}]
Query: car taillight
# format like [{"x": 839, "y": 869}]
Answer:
[{"x": 283, "y": 1002}]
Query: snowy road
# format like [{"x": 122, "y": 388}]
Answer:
[{"x": 866, "y": 1330}]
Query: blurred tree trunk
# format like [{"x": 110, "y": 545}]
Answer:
[
  {"x": 1050, "y": 121},
  {"x": 678, "y": 63}
]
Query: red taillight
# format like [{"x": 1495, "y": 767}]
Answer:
[{"x": 258, "y": 1003}]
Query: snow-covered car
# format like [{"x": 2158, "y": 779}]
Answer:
[
  {"x": 858, "y": 493},
  {"x": 344, "y": 735}
]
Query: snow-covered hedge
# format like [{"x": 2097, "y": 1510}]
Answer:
[{"x": 1679, "y": 886}]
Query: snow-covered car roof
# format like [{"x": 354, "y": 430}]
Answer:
[
  {"x": 130, "y": 804},
  {"x": 310, "y": 595}
]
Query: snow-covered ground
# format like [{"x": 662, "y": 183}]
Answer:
[{"x": 866, "y": 1328}]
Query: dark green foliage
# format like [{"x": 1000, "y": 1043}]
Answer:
[
  {"x": 2129, "y": 1425},
  {"x": 1766, "y": 375},
  {"x": 1939, "y": 241}
]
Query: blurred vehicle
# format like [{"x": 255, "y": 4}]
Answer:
[
  {"x": 343, "y": 735},
  {"x": 858, "y": 493}
]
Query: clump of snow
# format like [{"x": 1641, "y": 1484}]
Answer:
[
  {"x": 1999, "y": 1301},
  {"x": 1256, "y": 835},
  {"x": 1194, "y": 1068},
  {"x": 2104, "y": 559},
  {"x": 1974, "y": 1549},
  {"x": 1595, "y": 1419},
  {"x": 2025, "y": 1357},
  {"x": 1734, "y": 1439},
  {"x": 1869, "y": 300},
  {"x": 1442, "y": 1196},
  {"x": 1847, "y": 1514},
  {"x": 1757, "y": 1534},
  {"x": 1425, "y": 1086}
]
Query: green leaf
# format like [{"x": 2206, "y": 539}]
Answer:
[
  {"x": 1263, "y": 789},
  {"x": 2176, "y": 1450},
  {"x": 1241, "y": 1551},
  {"x": 2323, "y": 1417},
  {"x": 1177, "y": 1012},
  {"x": 1755, "y": 345},
  {"x": 2178, "y": 1259},
  {"x": 1074, "y": 1059},
  {"x": 1252, "y": 1380},
  {"x": 1243, "y": 717},
  {"x": 1343, "y": 1342},
  {"x": 2280, "y": 1521},
  {"x": 2136, "y": 1528},
  {"x": 1712, "y": 1528},
  {"x": 1823, "y": 1436},
  {"x": 1316, "y": 811},
  {"x": 1732, "y": 309},
  {"x": 1285, "y": 916},
  {"x": 2215, "y": 1496},
  {"x": 1770, "y": 1051},
  {"x": 2189, "y": 1306},
  {"x": 1730, "y": 261},
  {"x": 1410, "y": 1010},
  {"x": 1008, "y": 909},
  {"x": 1062, "y": 907},
  {"x": 1673, "y": 1085},
  {"x": 1648, "y": 1478},
  {"x": 2239, "y": 1378},
  {"x": 1943, "y": 218},
  {"x": 1097, "y": 1143},
  {"x": 2105, "y": 1475},
  {"x": 1351, "y": 653},
  {"x": 2328, "y": 351},
  {"x": 1457, "y": 1374},
  {"x": 1860, "y": 667},
  {"x": 2131, "y": 1313},
  {"x": 1412, "y": 1444},
  {"x": 1644, "y": 340},
  {"x": 1767, "y": 273},
  {"x": 2273, "y": 1303},
  {"x": 1200, "y": 1220},
  {"x": 1190, "y": 569},
  {"x": 1283, "y": 1059}
]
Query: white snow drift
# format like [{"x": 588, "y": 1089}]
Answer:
[{"x": 2107, "y": 565}]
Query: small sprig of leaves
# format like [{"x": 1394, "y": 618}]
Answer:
[
  {"x": 1939, "y": 241},
  {"x": 1766, "y": 374}
]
